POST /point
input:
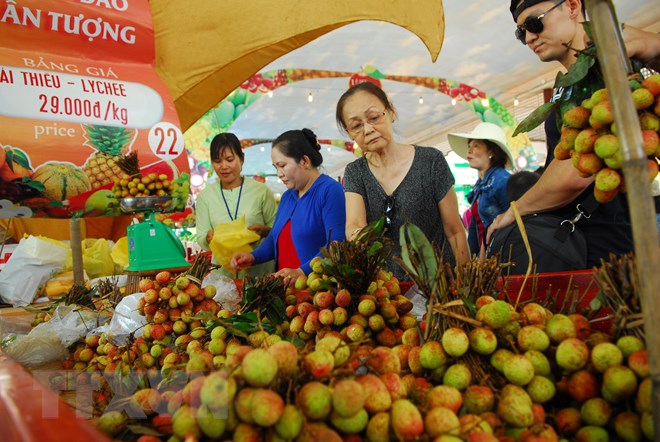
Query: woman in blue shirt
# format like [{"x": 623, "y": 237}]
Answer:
[
  {"x": 485, "y": 150},
  {"x": 311, "y": 214}
]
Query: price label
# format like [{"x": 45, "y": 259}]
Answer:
[
  {"x": 44, "y": 95},
  {"x": 166, "y": 141}
]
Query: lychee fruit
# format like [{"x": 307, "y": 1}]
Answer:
[
  {"x": 519, "y": 370},
  {"x": 572, "y": 354},
  {"x": 604, "y": 355}
]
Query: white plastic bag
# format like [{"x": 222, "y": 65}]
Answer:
[
  {"x": 419, "y": 302},
  {"x": 49, "y": 340},
  {"x": 33, "y": 262},
  {"x": 125, "y": 320},
  {"x": 226, "y": 293}
]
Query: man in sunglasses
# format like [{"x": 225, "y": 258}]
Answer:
[{"x": 553, "y": 30}]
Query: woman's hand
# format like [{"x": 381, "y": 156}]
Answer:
[
  {"x": 289, "y": 276},
  {"x": 260, "y": 229},
  {"x": 209, "y": 236},
  {"x": 241, "y": 261}
]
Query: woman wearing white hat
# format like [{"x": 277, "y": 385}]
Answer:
[{"x": 485, "y": 150}]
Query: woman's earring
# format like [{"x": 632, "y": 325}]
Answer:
[{"x": 490, "y": 157}]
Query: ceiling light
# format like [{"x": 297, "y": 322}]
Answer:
[
  {"x": 516, "y": 102},
  {"x": 270, "y": 94},
  {"x": 421, "y": 100},
  {"x": 453, "y": 101},
  {"x": 310, "y": 97},
  {"x": 263, "y": 149},
  {"x": 329, "y": 150},
  {"x": 484, "y": 102}
]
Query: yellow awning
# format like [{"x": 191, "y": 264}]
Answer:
[{"x": 205, "y": 49}]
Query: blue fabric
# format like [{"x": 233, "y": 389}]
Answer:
[
  {"x": 320, "y": 214},
  {"x": 491, "y": 191}
]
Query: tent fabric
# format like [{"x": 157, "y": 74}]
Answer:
[{"x": 204, "y": 50}]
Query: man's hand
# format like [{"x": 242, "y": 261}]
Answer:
[
  {"x": 502, "y": 220},
  {"x": 209, "y": 236},
  {"x": 642, "y": 45}
]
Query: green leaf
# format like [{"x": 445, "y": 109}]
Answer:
[
  {"x": 538, "y": 116},
  {"x": 405, "y": 254},
  {"x": 577, "y": 71},
  {"x": 424, "y": 250},
  {"x": 36, "y": 185}
]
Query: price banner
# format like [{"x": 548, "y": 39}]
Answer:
[{"x": 85, "y": 119}]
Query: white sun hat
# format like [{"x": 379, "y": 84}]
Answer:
[{"x": 483, "y": 131}]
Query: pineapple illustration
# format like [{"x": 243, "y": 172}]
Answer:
[{"x": 110, "y": 143}]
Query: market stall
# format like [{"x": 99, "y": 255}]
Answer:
[{"x": 349, "y": 352}]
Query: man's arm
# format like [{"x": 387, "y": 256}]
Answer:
[
  {"x": 643, "y": 45},
  {"x": 559, "y": 185}
]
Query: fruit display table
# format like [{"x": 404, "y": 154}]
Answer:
[{"x": 29, "y": 411}]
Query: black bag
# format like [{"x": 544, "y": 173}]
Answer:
[{"x": 557, "y": 245}]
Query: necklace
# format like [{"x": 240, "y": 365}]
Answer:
[{"x": 238, "y": 203}]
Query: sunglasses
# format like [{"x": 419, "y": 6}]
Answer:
[
  {"x": 533, "y": 24},
  {"x": 389, "y": 207}
]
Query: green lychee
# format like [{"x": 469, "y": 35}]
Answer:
[
  {"x": 259, "y": 367},
  {"x": 458, "y": 376},
  {"x": 572, "y": 354},
  {"x": 455, "y": 342},
  {"x": 495, "y": 314},
  {"x": 541, "y": 389},
  {"x": 604, "y": 355},
  {"x": 519, "y": 370},
  {"x": 532, "y": 337},
  {"x": 596, "y": 411},
  {"x": 347, "y": 398},
  {"x": 560, "y": 327}
]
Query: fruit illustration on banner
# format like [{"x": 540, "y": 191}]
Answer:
[
  {"x": 110, "y": 144},
  {"x": 103, "y": 203},
  {"x": 16, "y": 164},
  {"x": 61, "y": 180}
]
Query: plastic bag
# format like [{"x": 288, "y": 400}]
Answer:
[
  {"x": 48, "y": 341},
  {"x": 419, "y": 302},
  {"x": 226, "y": 292},
  {"x": 125, "y": 320},
  {"x": 230, "y": 238},
  {"x": 97, "y": 259},
  {"x": 119, "y": 252},
  {"x": 33, "y": 262}
]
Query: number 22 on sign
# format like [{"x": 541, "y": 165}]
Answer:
[{"x": 166, "y": 141}]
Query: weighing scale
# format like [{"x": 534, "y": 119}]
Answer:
[{"x": 151, "y": 244}]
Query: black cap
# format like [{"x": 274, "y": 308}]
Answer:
[{"x": 524, "y": 4}]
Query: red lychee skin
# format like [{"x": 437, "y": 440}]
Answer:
[
  {"x": 583, "y": 385},
  {"x": 582, "y": 325},
  {"x": 568, "y": 421}
]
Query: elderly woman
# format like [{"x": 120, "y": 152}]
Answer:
[
  {"x": 403, "y": 182},
  {"x": 485, "y": 150}
]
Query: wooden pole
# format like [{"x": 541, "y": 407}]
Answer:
[
  {"x": 76, "y": 252},
  {"x": 613, "y": 60}
]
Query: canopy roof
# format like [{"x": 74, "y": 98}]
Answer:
[{"x": 206, "y": 49}]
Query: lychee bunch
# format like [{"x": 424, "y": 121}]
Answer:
[{"x": 589, "y": 136}]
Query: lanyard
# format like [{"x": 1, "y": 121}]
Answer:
[{"x": 238, "y": 203}]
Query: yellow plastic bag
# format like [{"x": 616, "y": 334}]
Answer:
[
  {"x": 231, "y": 238},
  {"x": 97, "y": 260},
  {"x": 120, "y": 252}
]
